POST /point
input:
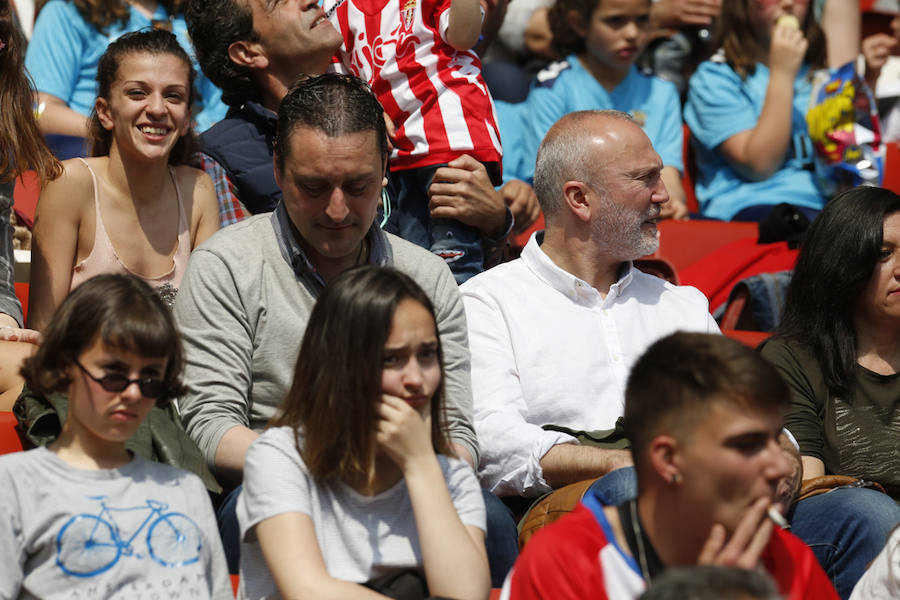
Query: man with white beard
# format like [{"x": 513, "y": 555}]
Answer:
[{"x": 553, "y": 334}]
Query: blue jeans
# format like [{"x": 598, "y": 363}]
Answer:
[
  {"x": 230, "y": 531},
  {"x": 845, "y": 528},
  {"x": 501, "y": 542},
  {"x": 457, "y": 243},
  {"x": 615, "y": 487}
]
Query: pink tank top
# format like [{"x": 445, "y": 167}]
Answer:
[{"x": 103, "y": 257}]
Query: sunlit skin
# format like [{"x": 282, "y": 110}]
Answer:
[
  {"x": 291, "y": 30},
  {"x": 879, "y": 302},
  {"x": 331, "y": 187},
  {"x": 768, "y": 12},
  {"x": 729, "y": 461},
  {"x": 411, "y": 370},
  {"x": 410, "y": 375},
  {"x": 147, "y": 108},
  {"x": 614, "y": 36},
  {"x": 98, "y": 422},
  {"x": 629, "y": 197}
]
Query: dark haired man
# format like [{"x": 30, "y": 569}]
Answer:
[
  {"x": 704, "y": 431},
  {"x": 248, "y": 291},
  {"x": 254, "y": 50}
]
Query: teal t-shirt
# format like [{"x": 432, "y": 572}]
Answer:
[
  {"x": 720, "y": 104},
  {"x": 64, "y": 51},
  {"x": 566, "y": 86}
]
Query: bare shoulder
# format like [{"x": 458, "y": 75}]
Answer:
[
  {"x": 190, "y": 178},
  {"x": 71, "y": 192},
  {"x": 199, "y": 200}
]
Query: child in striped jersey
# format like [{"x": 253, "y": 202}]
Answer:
[{"x": 416, "y": 55}]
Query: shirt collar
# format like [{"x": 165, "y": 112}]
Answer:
[
  {"x": 572, "y": 287},
  {"x": 380, "y": 252}
]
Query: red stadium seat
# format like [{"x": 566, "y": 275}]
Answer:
[{"x": 11, "y": 439}]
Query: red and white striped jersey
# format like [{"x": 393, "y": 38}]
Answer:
[{"x": 433, "y": 93}]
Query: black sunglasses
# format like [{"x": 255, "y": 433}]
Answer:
[{"x": 151, "y": 387}]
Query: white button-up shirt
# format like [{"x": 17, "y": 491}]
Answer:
[{"x": 548, "y": 348}]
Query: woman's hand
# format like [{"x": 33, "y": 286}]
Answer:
[
  {"x": 787, "y": 50},
  {"x": 402, "y": 433}
]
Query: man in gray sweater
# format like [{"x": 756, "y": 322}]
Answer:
[{"x": 248, "y": 291}]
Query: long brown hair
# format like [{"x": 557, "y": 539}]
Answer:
[
  {"x": 737, "y": 37},
  {"x": 332, "y": 402},
  {"x": 21, "y": 142}
]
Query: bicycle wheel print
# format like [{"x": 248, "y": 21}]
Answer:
[
  {"x": 174, "y": 540},
  {"x": 86, "y": 546}
]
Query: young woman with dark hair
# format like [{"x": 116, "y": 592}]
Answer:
[
  {"x": 134, "y": 207},
  {"x": 838, "y": 343},
  {"x": 838, "y": 348},
  {"x": 84, "y": 516},
  {"x": 351, "y": 483},
  {"x": 21, "y": 148}
]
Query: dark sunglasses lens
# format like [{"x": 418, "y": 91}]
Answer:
[
  {"x": 152, "y": 388},
  {"x": 111, "y": 382}
]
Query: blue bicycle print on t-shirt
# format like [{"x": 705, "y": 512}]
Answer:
[{"x": 88, "y": 545}]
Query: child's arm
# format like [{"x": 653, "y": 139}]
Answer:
[
  {"x": 464, "y": 25},
  {"x": 291, "y": 550},
  {"x": 758, "y": 152},
  {"x": 57, "y": 117},
  {"x": 454, "y": 555},
  {"x": 842, "y": 24}
]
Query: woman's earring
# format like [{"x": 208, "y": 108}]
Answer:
[{"x": 675, "y": 478}]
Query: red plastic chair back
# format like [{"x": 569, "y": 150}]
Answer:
[
  {"x": 10, "y": 439},
  {"x": 22, "y": 295},
  {"x": 690, "y": 173}
]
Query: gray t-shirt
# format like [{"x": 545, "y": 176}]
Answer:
[
  {"x": 142, "y": 531},
  {"x": 360, "y": 537}
]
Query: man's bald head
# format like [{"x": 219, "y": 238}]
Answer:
[{"x": 578, "y": 148}]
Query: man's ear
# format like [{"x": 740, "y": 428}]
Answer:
[
  {"x": 103, "y": 114},
  {"x": 278, "y": 174},
  {"x": 576, "y": 200},
  {"x": 248, "y": 54},
  {"x": 577, "y": 22},
  {"x": 664, "y": 459}
]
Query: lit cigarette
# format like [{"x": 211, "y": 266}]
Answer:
[{"x": 778, "y": 518}]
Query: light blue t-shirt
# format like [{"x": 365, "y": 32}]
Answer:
[
  {"x": 64, "y": 51},
  {"x": 566, "y": 86},
  {"x": 720, "y": 105}
]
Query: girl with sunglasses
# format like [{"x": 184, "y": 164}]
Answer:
[{"x": 84, "y": 515}]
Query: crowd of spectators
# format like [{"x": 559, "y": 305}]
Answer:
[{"x": 271, "y": 250}]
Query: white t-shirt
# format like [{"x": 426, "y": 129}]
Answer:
[
  {"x": 882, "y": 580},
  {"x": 360, "y": 537}
]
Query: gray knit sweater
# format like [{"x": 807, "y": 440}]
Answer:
[{"x": 242, "y": 311}]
